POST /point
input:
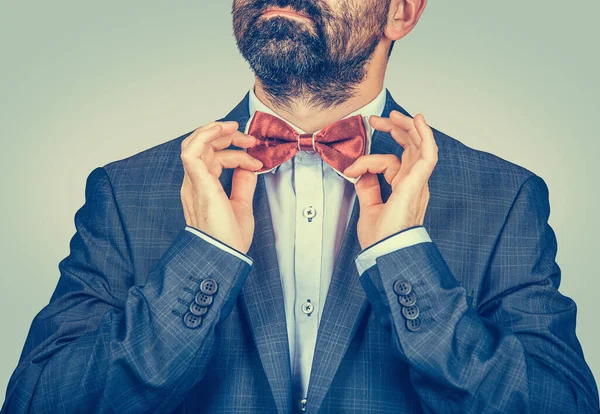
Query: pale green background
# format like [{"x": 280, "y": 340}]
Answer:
[{"x": 86, "y": 83}]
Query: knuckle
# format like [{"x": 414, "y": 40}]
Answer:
[
  {"x": 207, "y": 126},
  {"x": 185, "y": 156}
]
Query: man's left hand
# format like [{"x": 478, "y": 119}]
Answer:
[{"x": 408, "y": 178}]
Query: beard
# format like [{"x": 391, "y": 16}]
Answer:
[{"x": 321, "y": 61}]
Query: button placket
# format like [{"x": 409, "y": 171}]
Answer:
[
  {"x": 307, "y": 307},
  {"x": 308, "y": 185}
]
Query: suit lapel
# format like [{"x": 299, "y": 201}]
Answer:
[
  {"x": 262, "y": 300},
  {"x": 261, "y": 297},
  {"x": 262, "y": 294}
]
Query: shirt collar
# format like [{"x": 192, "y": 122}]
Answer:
[{"x": 374, "y": 107}]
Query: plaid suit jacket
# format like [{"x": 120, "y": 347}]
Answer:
[{"x": 496, "y": 334}]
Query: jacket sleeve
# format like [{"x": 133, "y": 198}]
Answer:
[
  {"x": 104, "y": 344},
  {"x": 515, "y": 351},
  {"x": 219, "y": 244},
  {"x": 407, "y": 237}
]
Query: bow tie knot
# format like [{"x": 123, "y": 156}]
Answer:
[
  {"x": 339, "y": 144},
  {"x": 306, "y": 143}
]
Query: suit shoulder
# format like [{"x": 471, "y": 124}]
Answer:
[
  {"x": 486, "y": 171},
  {"x": 162, "y": 160}
]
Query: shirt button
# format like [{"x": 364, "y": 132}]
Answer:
[
  {"x": 307, "y": 308},
  {"x": 303, "y": 404},
  {"x": 309, "y": 212}
]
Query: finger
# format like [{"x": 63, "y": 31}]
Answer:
[
  {"x": 429, "y": 149},
  {"x": 239, "y": 139},
  {"x": 237, "y": 158},
  {"x": 403, "y": 121},
  {"x": 243, "y": 140},
  {"x": 407, "y": 124},
  {"x": 386, "y": 125},
  {"x": 389, "y": 164},
  {"x": 201, "y": 144},
  {"x": 228, "y": 128},
  {"x": 197, "y": 144},
  {"x": 243, "y": 185},
  {"x": 368, "y": 191},
  {"x": 195, "y": 133},
  {"x": 194, "y": 154},
  {"x": 225, "y": 124},
  {"x": 427, "y": 161}
]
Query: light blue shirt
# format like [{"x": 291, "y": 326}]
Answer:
[{"x": 310, "y": 205}]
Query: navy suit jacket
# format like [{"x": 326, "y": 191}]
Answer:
[{"x": 496, "y": 334}]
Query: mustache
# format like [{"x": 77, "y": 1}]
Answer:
[{"x": 309, "y": 7}]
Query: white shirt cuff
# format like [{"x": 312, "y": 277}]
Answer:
[
  {"x": 219, "y": 244},
  {"x": 406, "y": 238}
]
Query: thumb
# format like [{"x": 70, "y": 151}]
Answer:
[
  {"x": 243, "y": 185},
  {"x": 368, "y": 190}
]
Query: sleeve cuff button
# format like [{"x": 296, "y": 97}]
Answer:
[
  {"x": 209, "y": 286},
  {"x": 192, "y": 321},
  {"x": 411, "y": 312},
  {"x": 413, "y": 325},
  {"x": 402, "y": 287},
  {"x": 407, "y": 300}
]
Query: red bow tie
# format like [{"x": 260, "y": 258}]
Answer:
[{"x": 338, "y": 144}]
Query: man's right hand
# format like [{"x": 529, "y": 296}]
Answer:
[{"x": 205, "y": 204}]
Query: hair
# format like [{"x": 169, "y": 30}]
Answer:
[{"x": 391, "y": 47}]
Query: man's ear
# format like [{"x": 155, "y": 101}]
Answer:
[{"x": 403, "y": 16}]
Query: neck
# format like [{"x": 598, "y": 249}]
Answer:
[{"x": 301, "y": 111}]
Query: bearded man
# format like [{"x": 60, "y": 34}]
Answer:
[{"x": 318, "y": 249}]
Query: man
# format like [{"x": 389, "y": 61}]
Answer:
[{"x": 203, "y": 280}]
